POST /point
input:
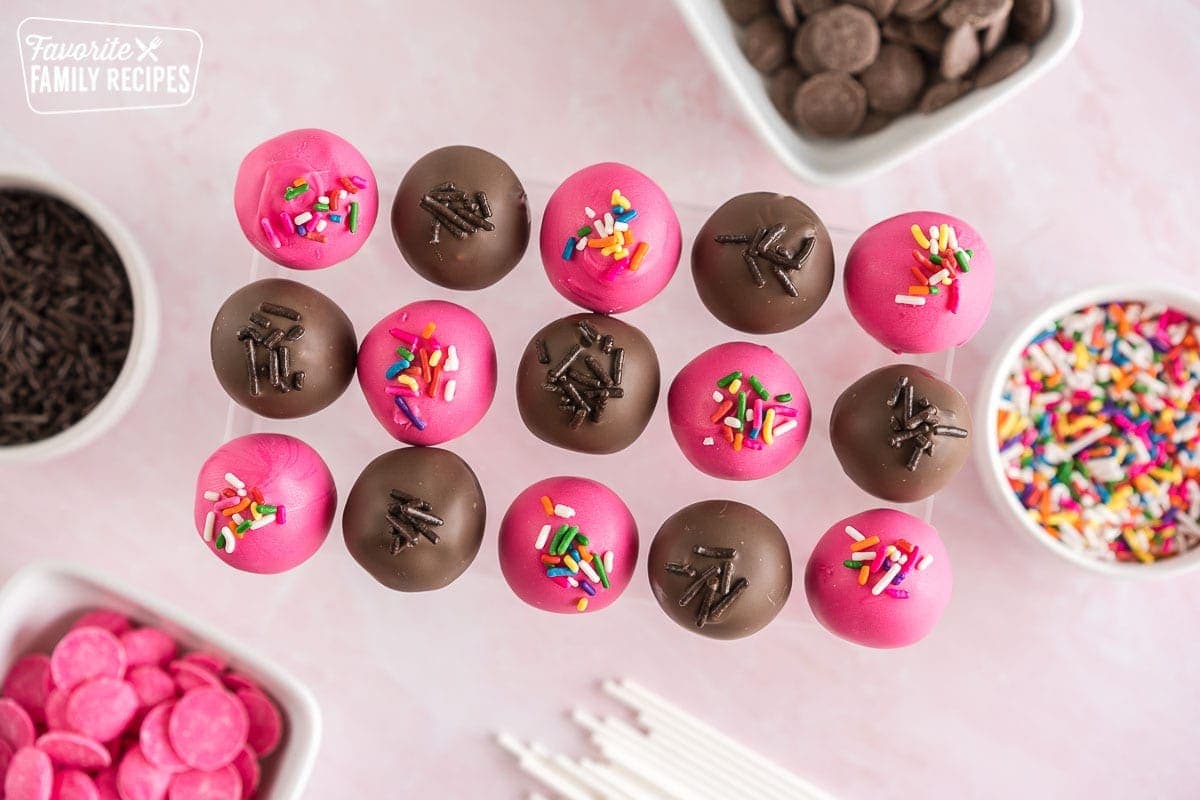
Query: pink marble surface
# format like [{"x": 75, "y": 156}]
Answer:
[{"x": 1041, "y": 680}]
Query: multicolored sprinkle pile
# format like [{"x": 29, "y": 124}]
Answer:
[
  {"x": 938, "y": 263},
  {"x": 312, "y": 221},
  {"x": 747, "y": 415},
  {"x": 1099, "y": 429},
  {"x": 239, "y": 509},
  {"x": 116, "y": 711},
  {"x": 896, "y": 561},
  {"x": 611, "y": 235},
  {"x": 419, "y": 370},
  {"x": 565, "y": 556}
]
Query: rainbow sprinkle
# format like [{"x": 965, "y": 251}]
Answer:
[
  {"x": 939, "y": 263},
  {"x": 884, "y": 570},
  {"x": 1099, "y": 431},
  {"x": 421, "y": 369},
  {"x": 237, "y": 510},
  {"x": 747, "y": 416},
  {"x": 311, "y": 210},
  {"x": 611, "y": 236},
  {"x": 564, "y": 554}
]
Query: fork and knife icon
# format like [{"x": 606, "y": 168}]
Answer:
[{"x": 148, "y": 49}]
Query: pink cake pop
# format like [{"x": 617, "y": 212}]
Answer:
[
  {"x": 880, "y": 579},
  {"x": 568, "y": 545},
  {"x": 306, "y": 199},
  {"x": 264, "y": 502},
  {"x": 610, "y": 238},
  {"x": 739, "y": 411},
  {"x": 916, "y": 292},
  {"x": 428, "y": 371}
]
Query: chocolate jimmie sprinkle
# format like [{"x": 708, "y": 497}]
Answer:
[
  {"x": 410, "y": 518},
  {"x": 459, "y": 212},
  {"x": 276, "y": 365},
  {"x": 720, "y": 590},
  {"x": 66, "y": 316},
  {"x": 586, "y": 377},
  {"x": 763, "y": 246},
  {"x": 915, "y": 422}
]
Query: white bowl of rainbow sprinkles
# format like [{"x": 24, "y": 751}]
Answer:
[{"x": 1092, "y": 430}]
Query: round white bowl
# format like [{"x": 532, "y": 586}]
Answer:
[
  {"x": 988, "y": 449},
  {"x": 142, "y": 345}
]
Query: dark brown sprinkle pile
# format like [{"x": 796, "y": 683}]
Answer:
[
  {"x": 763, "y": 244},
  {"x": 714, "y": 585},
  {"x": 460, "y": 212},
  {"x": 409, "y": 519},
  {"x": 889, "y": 57},
  {"x": 66, "y": 316},
  {"x": 586, "y": 384},
  {"x": 276, "y": 363},
  {"x": 915, "y": 420}
]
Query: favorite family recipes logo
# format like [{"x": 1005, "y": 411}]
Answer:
[{"x": 70, "y": 66}]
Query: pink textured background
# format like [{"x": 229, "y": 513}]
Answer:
[{"x": 1040, "y": 681}]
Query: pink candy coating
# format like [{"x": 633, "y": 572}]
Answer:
[
  {"x": 582, "y": 278},
  {"x": 850, "y": 611},
  {"x": 601, "y": 516},
  {"x": 877, "y": 269},
  {"x": 474, "y": 381},
  {"x": 322, "y": 159},
  {"x": 289, "y": 473},
  {"x": 690, "y": 406}
]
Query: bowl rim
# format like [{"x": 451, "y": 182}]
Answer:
[
  {"x": 895, "y": 146},
  {"x": 144, "y": 338},
  {"x": 302, "y": 749},
  {"x": 988, "y": 447}
]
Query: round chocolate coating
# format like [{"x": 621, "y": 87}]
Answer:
[
  {"x": 762, "y": 558},
  {"x": 861, "y": 428},
  {"x": 726, "y": 283},
  {"x": 472, "y": 260},
  {"x": 326, "y": 352},
  {"x": 447, "y": 484},
  {"x": 622, "y": 419}
]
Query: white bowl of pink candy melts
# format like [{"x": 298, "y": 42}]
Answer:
[
  {"x": 1159, "y": 492},
  {"x": 111, "y": 695}
]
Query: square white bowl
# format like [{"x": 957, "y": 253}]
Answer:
[
  {"x": 844, "y": 161},
  {"x": 39, "y": 603}
]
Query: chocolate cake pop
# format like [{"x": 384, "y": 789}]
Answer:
[
  {"x": 282, "y": 349},
  {"x": 414, "y": 518},
  {"x": 720, "y": 568},
  {"x": 588, "y": 383},
  {"x": 901, "y": 433},
  {"x": 763, "y": 263},
  {"x": 461, "y": 218}
]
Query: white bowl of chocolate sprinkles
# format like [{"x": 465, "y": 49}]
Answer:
[{"x": 78, "y": 317}]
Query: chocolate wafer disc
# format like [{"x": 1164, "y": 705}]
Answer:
[
  {"x": 1004, "y": 63},
  {"x": 961, "y": 53},
  {"x": 978, "y": 14},
  {"x": 942, "y": 94},
  {"x": 742, "y": 11},
  {"x": 895, "y": 80},
  {"x": 918, "y": 9},
  {"x": 993, "y": 37},
  {"x": 1031, "y": 19},
  {"x": 781, "y": 89},
  {"x": 841, "y": 39},
  {"x": 808, "y": 7},
  {"x": 882, "y": 9},
  {"x": 765, "y": 43},
  {"x": 831, "y": 104}
]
